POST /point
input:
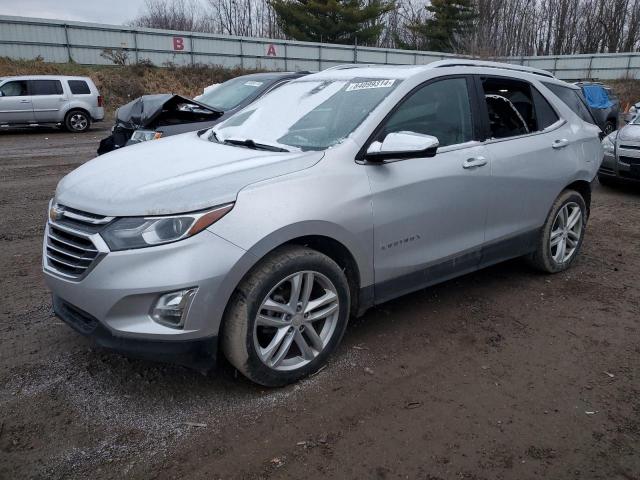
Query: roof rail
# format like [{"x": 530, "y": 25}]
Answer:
[
  {"x": 481, "y": 63},
  {"x": 347, "y": 66}
]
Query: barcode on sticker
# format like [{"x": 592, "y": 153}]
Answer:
[{"x": 371, "y": 84}]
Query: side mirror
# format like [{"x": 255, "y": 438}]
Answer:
[{"x": 402, "y": 145}]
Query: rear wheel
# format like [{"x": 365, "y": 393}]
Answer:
[
  {"x": 609, "y": 127},
  {"x": 286, "y": 317},
  {"x": 562, "y": 234},
  {"x": 77, "y": 121}
]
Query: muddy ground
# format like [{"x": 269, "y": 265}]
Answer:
[{"x": 502, "y": 374}]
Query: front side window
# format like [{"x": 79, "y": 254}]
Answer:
[
  {"x": 46, "y": 87},
  {"x": 441, "y": 109},
  {"x": 307, "y": 114},
  {"x": 572, "y": 99},
  {"x": 16, "y": 88}
]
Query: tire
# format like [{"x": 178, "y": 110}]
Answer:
[
  {"x": 255, "y": 344},
  {"x": 547, "y": 258},
  {"x": 609, "y": 127},
  {"x": 77, "y": 121}
]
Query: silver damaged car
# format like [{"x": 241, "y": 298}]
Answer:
[{"x": 259, "y": 238}]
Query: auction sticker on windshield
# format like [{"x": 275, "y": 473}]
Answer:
[
  {"x": 370, "y": 84},
  {"x": 253, "y": 84}
]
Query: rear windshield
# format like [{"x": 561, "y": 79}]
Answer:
[{"x": 79, "y": 87}]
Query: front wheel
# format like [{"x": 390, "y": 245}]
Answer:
[
  {"x": 562, "y": 234},
  {"x": 286, "y": 317}
]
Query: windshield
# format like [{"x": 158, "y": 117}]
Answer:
[
  {"x": 307, "y": 114},
  {"x": 232, "y": 93}
]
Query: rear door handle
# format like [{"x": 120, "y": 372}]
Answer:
[
  {"x": 563, "y": 142},
  {"x": 25, "y": 101},
  {"x": 474, "y": 162}
]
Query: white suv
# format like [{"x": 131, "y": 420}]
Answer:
[{"x": 71, "y": 102}]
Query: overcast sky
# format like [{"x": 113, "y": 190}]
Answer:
[{"x": 102, "y": 11}]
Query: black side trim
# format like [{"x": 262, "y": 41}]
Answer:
[
  {"x": 199, "y": 354},
  {"x": 457, "y": 265}
]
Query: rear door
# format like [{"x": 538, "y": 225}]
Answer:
[
  {"x": 15, "y": 103},
  {"x": 48, "y": 100},
  {"x": 429, "y": 213},
  {"x": 533, "y": 153}
]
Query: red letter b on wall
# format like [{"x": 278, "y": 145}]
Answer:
[{"x": 178, "y": 43}]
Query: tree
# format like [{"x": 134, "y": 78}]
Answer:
[
  {"x": 332, "y": 21},
  {"x": 446, "y": 25}
]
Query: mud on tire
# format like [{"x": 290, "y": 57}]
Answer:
[{"x": 241, "y": 336}]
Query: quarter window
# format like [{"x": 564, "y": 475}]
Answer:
[
  {"x": 571, "y": 98},
  {"x": 46, "y": 87},
  {"x": 441, "y": 109},
  {"x": 16, "y": 88},
  {"x": 79, "y": 87}
]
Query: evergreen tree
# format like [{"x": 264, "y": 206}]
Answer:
[
  {"x": 447, "y": 23},
  {"x": 332, "y": 21}
]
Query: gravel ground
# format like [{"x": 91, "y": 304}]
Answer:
[{"x": 502, "y": 374}]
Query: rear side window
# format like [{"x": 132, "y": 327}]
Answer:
[
  {"x": 46, "y": 87},
  {"x": 545, "y": 113},
  {"x": 510, "y": 107},
  {"x": 571, "y": 98},
  {"x": 79, "y": 87}
]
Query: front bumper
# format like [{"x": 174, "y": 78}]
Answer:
[
  {"x": 198, "y": 354},
  {"x": 623, "y": 165},
  {"x": 122, "y": 287}
]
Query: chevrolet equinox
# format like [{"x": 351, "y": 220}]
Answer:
[{"x": 261, "y": 236}]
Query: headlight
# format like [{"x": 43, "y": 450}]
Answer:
[
  {"x": 144, "y": 135},
  {"x": 139, "y": 232},
  {"x": 609, "y": 143}
]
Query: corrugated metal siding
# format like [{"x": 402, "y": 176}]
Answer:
[{"x": 61, "y": 41}]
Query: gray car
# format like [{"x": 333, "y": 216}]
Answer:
[
  {"x": 338, "y": 191},
  {"x": 621, "y": 155},
  {"x": 36, "y": 100}
]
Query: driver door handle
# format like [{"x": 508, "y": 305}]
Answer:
[
  {"x": 474, "y": 162},
  {"x": 563, "y": 142}
]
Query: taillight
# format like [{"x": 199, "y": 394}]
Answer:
[{"x": 100, "y": 100}]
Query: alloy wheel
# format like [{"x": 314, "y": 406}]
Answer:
[
  {"x": 296, "y": 321},
  {"x": 78, "y": 121},
  {"x": 566, "y": 232}
]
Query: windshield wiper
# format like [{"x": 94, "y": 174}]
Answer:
[{"x": 247, "y": 142}]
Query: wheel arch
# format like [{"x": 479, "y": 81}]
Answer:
[
  {"x": 583, "y": 187},
  {"x": 359, "y": 273}
]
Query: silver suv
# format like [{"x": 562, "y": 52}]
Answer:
[
  {"x": 71, "y": 102},
  {"x": 336, "y": 192}
]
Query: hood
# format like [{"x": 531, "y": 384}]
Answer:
[
  {"x": 148, "y": 110},
  {"x": 178, "y": 174},
  {"x": 629, "y": 133}
]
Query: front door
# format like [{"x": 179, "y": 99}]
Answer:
[
  {"x": 429, "y": 213},
  {"x": 15, "y": 103}
]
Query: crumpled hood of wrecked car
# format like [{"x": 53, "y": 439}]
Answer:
[{"x": 177, "y": 174}]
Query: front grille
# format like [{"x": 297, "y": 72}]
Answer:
[
  {"x": 630, "y": 147},
  {"x": 70, "y": 249},
  {"x": 629, "y": 160},
  {"x": 76, "y": 318}
]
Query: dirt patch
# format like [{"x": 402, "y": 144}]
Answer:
[{"x": 502, "y": 374}]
